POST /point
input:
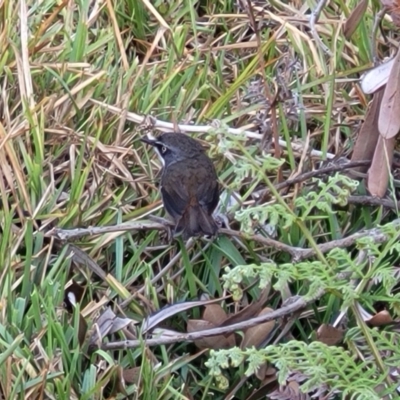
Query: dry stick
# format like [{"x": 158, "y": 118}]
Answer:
[
  {"x": 313, "y": 20},
  {"x": 377, "y": 21},
  {"x": 376, "y": 234},
  {"x": 296, "y": 303},
  {"x": 169, "y": 126},
  {"x": 297, "y": 253},
  {"x": 291, "y": 306},
  {"x": 67, "y": 234},
  {"x": 313, "y": 174},
  {"x": 374, "y": 201}
]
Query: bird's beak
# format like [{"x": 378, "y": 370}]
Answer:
[
  {"x": 151, "y": 142},
  {"x": 149, "y": 139}
]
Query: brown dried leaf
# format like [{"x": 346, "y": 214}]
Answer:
[
  {"x": 156, "y": 318},
  {"x": 389, "y": 115},
  {"x": 255, "y": 335},
  {"x": 131, "y": 375},
  {"x": 368, "y": 136},
  {"x": 82, "y": 329},
  {"x": 390, "y": 4},
  {"x": 214, "y": 313},
  {"x": 380, "y": 389},
  {"x": 261, "y": 371},
  {"x": 329, "y": 335},
  {"x": 354, "y": 19},
  {"x": 266, "y": 387},
  {"x": 82, "y": 258},
  {"x": 118, "y": 382},
  {"x": 247, "y": 312},
  {"x": 378, "y": 173},
  {"x": 381, "y": 318},
  {"x": 212, "y": 342},
  {"x": 119, "y": 324},
  {"x": 393, "y": 7},
  {"x": 107, "y": 323},
  {"x": 102, "y": 326},
  {"x": 289, "y": 392}
]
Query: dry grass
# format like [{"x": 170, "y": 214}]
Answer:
[{"x": 76, "y": 78}]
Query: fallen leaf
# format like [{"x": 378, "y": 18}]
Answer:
[
  {"x": 214, "y": 313},
  {"x": 247, "y": 312},
  {"x": 172, "y": 309},
  {"x": 131, "y": 375},
  {"x": 266, "y": 388},
  {"x": 80, "y": 257},
  {"x": 261, "y": 371},
  {"x": 257, "y": 334},
  {"x": 291, "y": 391},
  {"x": 329, "y": 335},
  {"x": 376, "y": 77},
  {"x": 354, "y": 19},
  {"x": 380, "y": 319},
  {"x": 367, "y": 138},
  {"x": 120, "y": 323},
  {"x": 389, "y": 115},
  {"x": 107, "y": 323},
  {"x": 379, "y": 171},
  {"x": 117, "y": 382},
  {"x": 393, "y": 8},
  {"x": 82, "y": 329},
  {"x": 212, "y": 342}
]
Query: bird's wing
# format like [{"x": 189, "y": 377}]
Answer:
[
  {"x": 175, "y": 197},
  {"x": 210, "y": 195}
]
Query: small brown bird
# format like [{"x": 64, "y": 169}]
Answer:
[{"x": 189, "y": 186}]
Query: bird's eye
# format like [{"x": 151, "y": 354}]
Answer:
[{"x": 163, "y": 150}]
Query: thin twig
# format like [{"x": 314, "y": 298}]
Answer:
[
  {"x": 377, "y": 21},
  {"x": 375, "y": 234},
  {"x": 68, "y": 234},
  {"x": 169, "y": 126},
  {"x": 313, "y": 20},
  {"x": 297, "y": 304},
  {"x": 297, "y": 253},
  {"x": 374, "y": 201},
  {"x": 312, "y": 174}
]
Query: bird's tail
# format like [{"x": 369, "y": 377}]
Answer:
[{"x": 196, "y": 222}]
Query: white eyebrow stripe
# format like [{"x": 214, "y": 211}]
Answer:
[{"x": 159, "y": 155}]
